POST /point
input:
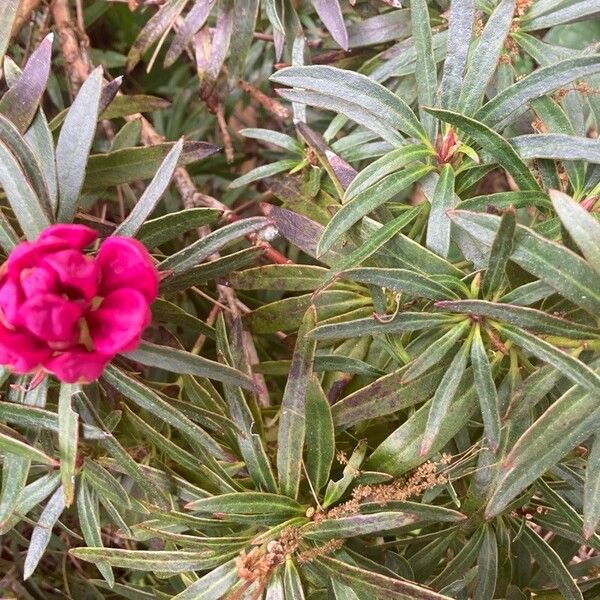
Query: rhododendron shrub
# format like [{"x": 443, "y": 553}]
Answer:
[{"x": 69, "y": 312}]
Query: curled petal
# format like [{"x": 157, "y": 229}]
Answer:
[
  {"x": 52, "y": 318},
  {"x": 10, "y": 299},
  {"x": 125, "y": 262},
  {"x": 75, "y": 236},
  {"x": 117, "y": 325},
  {"x": 38, "y": 280},
  {"x": 77, "y": 273},
  {"x": 77, "y": 365},
  {"x": 27, "y": 255},
  {"x": 21, "y": 351}
]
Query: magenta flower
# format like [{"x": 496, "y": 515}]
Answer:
[{"x": 68, "y": 313}]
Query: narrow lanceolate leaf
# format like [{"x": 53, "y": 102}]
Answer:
[
  {"x": 74, "y": 143},
  {"x": 152, "y": 194},
  {"x": 179, "y": 361},
  {"x": 581, "y": 225},
  {"x": 487, "y": 563},
  {"x": 193, "y": 21},
  {"x": 513, "y": 101},
  {"x": 264, "y": 171},
  {"x": 500, "y": 252},
  {"x": 443, "y": 396},
  {"x": 572, "y": 419},
  {"x": 68, "y": 437},
  {"x": 165, "y": 561},
  {"x": 438, "y": 225},
  {"x": 486, "y": 390},
  {"x": 484, "y": 59},
  {"x": 273, "y": 137},
  {"x": 42, "y": 532},
  {"x": 401, "y": 280},
  {"x": 191, "y": 255},
  {"x": 554, "y": 264},
  {"x": 570, "y": 366},
  {"x": 89, "y": 521},
  {"x": 460, "y": 31},
  {"x": 212, "y": 585},
  {"x": 389, "y": 163},
  {"x": 330, "y": 13},
  {"x": 365, "y": 202},
  {"x": 591, "y": 490},
  {"x": 7, "y": 18},
  {"x": 373, "y": 584},
  {"x": 20, "y": 103},
  {"x": 565, "y": 13},
  {"x": 15, "y": 470},
  {"x": 425, "y": 66},
  {"x": 11, "y": 445},
  {"x": 368, "y": 94},
  {"x": 25, "y": 203},
  {"x": 320, "y": 437},
  {"x": 290, "y": 439},
  {"x": 247, "y": 503},
  {"x": 551, "y": 563},
  {"x": 245, "y": 13},
  {"x": 495, "y": 144},
  {"x": 556, "y": 146}
]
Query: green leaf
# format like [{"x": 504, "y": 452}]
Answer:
[
  {"x": 591, "y": 490},
  {"x": 20, "y": 103},
  {"x": 567, "y": 423},
  {"x": 486, "y": 390},
  {"x": 582, "y": 227},
  {"x": 191, "y": 24},
  {"x": 367, "y": 201},
  {"x": 528, "y": 318},
  {"x": 363, "y": 91},
  {"x": 163, "y": 561},
  {"x": 389, "y": 163},
  {"x": 373, "y": 584},
  {"x": 105, "y": 485},
  {"x": 444, "y": 395},
  {"x": 11, "y": 445},
  {"x": 203, "y": 248},
  {"x": 149, "y": 400},
  {"x": 42, "y": 532},
  {"x": 248, "y": 503},
  {"x": 487, "y": 565},
  {"x": 513, "y": 101},
  {"x": 425, "y": 65},
  {"x": 460, "y": 32},
  {"x": 401, "y": 280},
  {"x": 484, "y": 58},
  {"x": 554, "y": 264},
  {"x": 212, "y": 585},
  {"x": 500, "y": 252},
  {"x": 274, "y": 137},
  {"x": 157, "y": 231},
  {"x": 89, "y": 521},
  {"x": 570, "y": 366},
  {"x": 264, "y": 171},
  {"x": 438, "y": 225},
  {"x": 292, "y": 426},
  {"x": 15, "y": 470},
  {"x": 551, "y": 564},
  {"x": 179, "y": 361},
  {"x": 556, "y": 146},
  {"x": 68, "y": 437},
  {"x": 7, "y": 18},
  {"x": 336, "y": 489},
  {"x": 320, "y": 438},
  {"x": 292, "y": 583},
  {"x": 133, "y": 164},
  {"x": 74, "y": 144},
  {"x": 152, "y": 194},
  {"x": 494, "y": 143},
  {"x": 564, "y": 14},
  {"x": 503, "y": 200}
]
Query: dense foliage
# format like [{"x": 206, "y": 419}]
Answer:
[{"x": 373, "y": 366}]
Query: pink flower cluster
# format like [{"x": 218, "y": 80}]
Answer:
[{"x": 67, "y": 313}]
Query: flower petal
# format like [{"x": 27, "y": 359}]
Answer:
[
  {"x": 116, "y": 326},
  {"x": 77, "y": 272},
  {"x": 75, "y": 236},
  {"x": 125, "y": 262},
  {"x": 38, "y": 280},
  {"x": 52, "y": 318},
  {"x": 10, "y": 299},
  {"x": 22, "y": 352},
  {"x": 29, "y": 254},
  {"x": 77, "y": 366}
]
